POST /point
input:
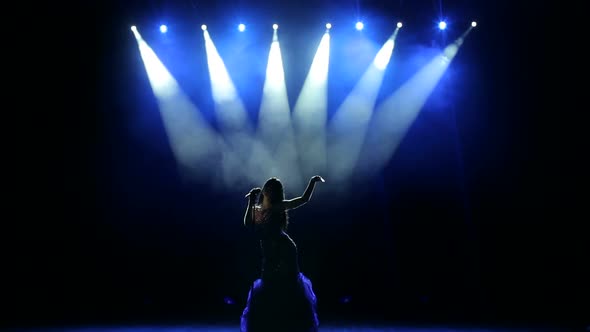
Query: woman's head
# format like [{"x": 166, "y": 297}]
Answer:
[
  {"x": 272, "y": 192},
  {"x": 272, "y": 196}
]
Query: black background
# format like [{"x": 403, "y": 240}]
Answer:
[{"x": 107, "y": 233}]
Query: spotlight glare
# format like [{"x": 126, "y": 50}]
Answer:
[
  {"x": 399, "y": 24},
  {"x": 163, "y": 28},
  {"x": 241, "y": 27},
  {"x": 133, "y": 28},
  {"x": 442, "y": 25},
  {"x": 275, "y": 26},
  {"x": 203, "y": 27},
  {"x": 474, "y": 24},
  {"x": 359, "y": 26},
  {"x": 328, "y": 26}
]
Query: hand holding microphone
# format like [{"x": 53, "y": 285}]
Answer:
[{"x": 253, "y": 193}]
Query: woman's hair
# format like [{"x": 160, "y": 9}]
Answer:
[{"x": 274, "y": 190}]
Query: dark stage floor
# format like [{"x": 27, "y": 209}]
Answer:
[{"x": 330, "y": 328}]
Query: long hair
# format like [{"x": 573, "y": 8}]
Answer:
[{"x": 274, "y": 189}]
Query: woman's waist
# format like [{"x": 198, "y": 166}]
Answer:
[{"x": 276, "y": 269}]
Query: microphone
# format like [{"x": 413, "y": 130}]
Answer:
[{"x": 253, "y": 192}]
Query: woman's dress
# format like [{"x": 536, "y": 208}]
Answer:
[{"x": 282, "y": 299}]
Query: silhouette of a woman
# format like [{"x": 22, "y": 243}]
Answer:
[{"x": 283, "y": 298}]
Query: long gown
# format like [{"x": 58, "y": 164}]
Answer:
[{"x": 283, "y": 298}]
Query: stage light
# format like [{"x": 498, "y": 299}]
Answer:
[
  {"x": 359, "y": 26},
  {"x": 474, "y": 24},
  {"x": 192, "y": 140},
  {"x": 204, "y": 27},
  {"x": 163, "y": 28},
  {"x": 328, "y": 26},
  {"x": 399, "y": 24},
  {"x": 310, "y": 114},
  {"x": 133, "y": 28},
  {"x": 275, "y": 26},
  {"x": 242, "y": 27},
  {"x": 442, "y": 25}
]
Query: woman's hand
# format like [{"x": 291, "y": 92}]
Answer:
[{"x": 317, "y": 178}]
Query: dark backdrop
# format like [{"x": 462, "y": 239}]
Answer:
[{"x": 465, "y": 224}]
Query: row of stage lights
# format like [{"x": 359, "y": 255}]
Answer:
[{"x": 442, "y": 25}]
